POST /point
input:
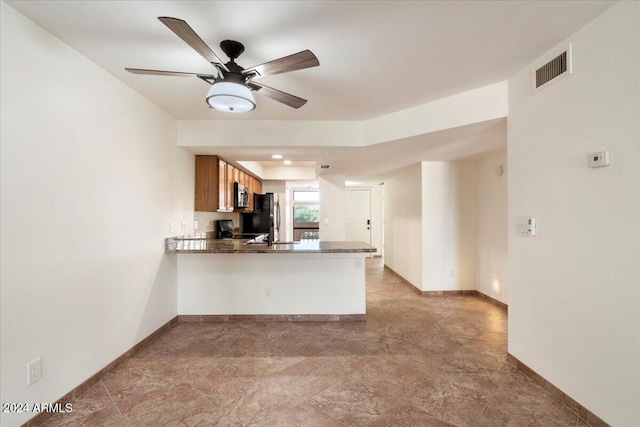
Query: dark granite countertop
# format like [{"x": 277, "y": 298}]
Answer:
[{"x": 204, "y": 243}]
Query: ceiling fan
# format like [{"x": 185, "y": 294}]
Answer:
[{"x": 232, "y": 85}]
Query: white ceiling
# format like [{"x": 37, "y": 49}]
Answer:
[{"x": 375, "y": 57}]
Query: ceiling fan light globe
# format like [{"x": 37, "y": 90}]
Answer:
[{"x": 231, "y": 97}]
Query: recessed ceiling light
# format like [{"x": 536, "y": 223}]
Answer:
[
  {"x": 287, "y": 162},
  {"x": 276, "y": 156}
]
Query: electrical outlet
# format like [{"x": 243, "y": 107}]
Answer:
[
  {"x": 267, "y": 293},
  {"x": 183, "y": 225},
  {"x": 452, "y": 273},
  {"x": 195, "y": 224},
  {"x": 170, "y": 227},
  {"x": 34, "y": 371},
  {"x": 358, "y": 264}
]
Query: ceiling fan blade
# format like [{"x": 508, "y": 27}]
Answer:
[
  {"x": 186, "y": 33},
  {"x": 297, "y": 61},
  {"x": 167, "y": 73},
  {"x": 280, "y": 96}
]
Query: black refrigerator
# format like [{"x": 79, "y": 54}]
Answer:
[{"x": 265, "y": 218}]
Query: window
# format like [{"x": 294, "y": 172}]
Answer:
[
  {"x": 306, "y": 196},
  {"x": 306, "y": 215},
  {"x": 303, "y": 213}
]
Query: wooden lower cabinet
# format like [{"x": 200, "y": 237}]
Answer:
[{"x": 214, "y": 184}]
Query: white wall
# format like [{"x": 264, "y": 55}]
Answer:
[
  {"x": 207, "y": 220},
  {"x": 574, "y": 293},
  {"x": 218, "y": 284},
  {"x": 333, "y": 207},
  {"x": 257, "y": 168},
  {"x": 268, "y": 133},
  {"x": 491, "y": 227},
  {"x": 403, "y": 224},
  {"x": 445, "y": 225},
  {"x": 90, "y": 179},
  {"x": 285, "y": 173},
  {"x": 377, "y": 224},
  {"x": 448, "y": 226},
  {"x": 474, "y": 106}
]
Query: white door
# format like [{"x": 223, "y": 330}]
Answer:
[{"x": 359, "y": 215}]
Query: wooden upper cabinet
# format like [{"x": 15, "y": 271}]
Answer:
[
  {"x": 231, "y": 178},
  {"x": 214, "y": 184},
  {"x": 249, "y": 184},
  {"x": 255, "y": 187},
  {"x": 222, "y": 185},
  {"x": 206, "y": 184}
]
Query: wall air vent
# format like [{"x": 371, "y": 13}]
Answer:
[{"x": 551, "y": 70}]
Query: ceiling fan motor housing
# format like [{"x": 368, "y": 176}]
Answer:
[{"x": 232, "y": 48}]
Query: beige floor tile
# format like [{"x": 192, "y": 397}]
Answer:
[
  {"x": 139, "y": 375},
  {"x": 407, "y": 416},
  {"x": 94, "y": 400},
  {"x": 180, "y": 405},
  {"x": 353, "y": 403}
]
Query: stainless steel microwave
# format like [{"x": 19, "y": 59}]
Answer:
[{"x": 240, "y": 195}]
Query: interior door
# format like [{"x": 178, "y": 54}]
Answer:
[{"x": 359, "y": 215}]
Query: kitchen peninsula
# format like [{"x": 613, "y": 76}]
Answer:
[{"x": 311, "y": 280}]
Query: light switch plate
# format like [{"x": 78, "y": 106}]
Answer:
[
  {"x": 34, "y": 371},
  {"x": 527, "y": 227}
]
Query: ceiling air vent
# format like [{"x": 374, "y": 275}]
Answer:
[{"x": 557, "y": 67}]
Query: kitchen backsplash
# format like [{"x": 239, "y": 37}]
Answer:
[{"x": 206, "y": 220}]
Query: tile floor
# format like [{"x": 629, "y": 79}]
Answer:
[{"x": 416, "y": 361}]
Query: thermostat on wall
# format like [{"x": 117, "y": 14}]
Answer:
[{"x": 599, "y": 159}]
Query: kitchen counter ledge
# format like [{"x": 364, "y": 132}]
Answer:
[
  {"x": 312, "y": 279},
  {"x": 204, "y": 243}
]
